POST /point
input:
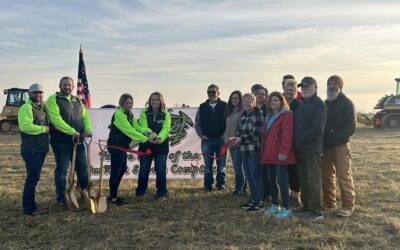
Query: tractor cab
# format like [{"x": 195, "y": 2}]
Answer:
[{"x": 9, "y": 115}]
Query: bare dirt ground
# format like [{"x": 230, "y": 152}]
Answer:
[{"x": 191, "y": 218}]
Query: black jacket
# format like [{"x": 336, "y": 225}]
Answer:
[
  {"x": 309, "y": 124},
  {"x": 71, "y": 113},
  {"x": 211, "y": 122},
  {"x": 341, "y": 121}
]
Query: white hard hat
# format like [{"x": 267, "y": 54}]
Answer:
[{"x": 36, "y": 87}]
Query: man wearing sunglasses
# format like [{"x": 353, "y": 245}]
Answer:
[{"x": 210, "y": 126}]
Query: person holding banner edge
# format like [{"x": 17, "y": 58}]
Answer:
[
  {"x": 123, "y": 129},
  {"x": 157, "y": 119}
]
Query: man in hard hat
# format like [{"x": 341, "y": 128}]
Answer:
[
  {"x": 34, "y": 129},
  {"x": 70, "y": 121}
]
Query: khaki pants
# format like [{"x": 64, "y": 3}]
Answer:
[{"x": 336, "y": 163}]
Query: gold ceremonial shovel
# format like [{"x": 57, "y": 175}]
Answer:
[
  {"x": 90, "y": 191},
  {"x": 99, "y": 204},
  {"x": 69, "y": 194}
]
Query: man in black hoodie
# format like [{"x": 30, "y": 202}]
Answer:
[
  {"x": 336, "y": 160},
  {"x": 210, "y": 126}
]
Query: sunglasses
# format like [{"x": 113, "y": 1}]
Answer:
[{"x": 211, "y": 91}]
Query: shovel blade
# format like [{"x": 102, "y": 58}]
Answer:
[
  {"x": 101, "y": 204},
  {"x": 86, "y": 197},
  {"x": 92, "y": 192},
  {"x": 93, "y": 206},
  {"x": 70, "y": 199}
]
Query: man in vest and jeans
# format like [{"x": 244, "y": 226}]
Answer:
[
  {"x": 34, "y": 129},
  {"x": 210, "y": 126},
  {"x": 69, "y": 120}
]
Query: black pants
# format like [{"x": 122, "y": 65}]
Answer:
[
  {"x": 294, "y": 180},
  {"x": 118, "y": 168},
  {"x": 309, "y": 166},
  {"x": 265, "y": 183}
]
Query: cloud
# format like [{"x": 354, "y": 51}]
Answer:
[{"x": 177, "y": 47}]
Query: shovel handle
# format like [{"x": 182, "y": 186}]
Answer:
[
  {"x": 73, "y": 161},
  {"x": 88, "y": 141},
  {"x": 102, "y": 150}
]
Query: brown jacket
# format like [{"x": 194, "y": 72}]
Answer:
[{"x": 232, "y": 124}]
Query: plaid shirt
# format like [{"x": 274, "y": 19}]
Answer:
[{"x": 250, "y": 130}]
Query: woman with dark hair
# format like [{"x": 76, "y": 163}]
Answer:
[
  {"x": 234, "y": 112},
  {"x": 277, "y": 152},
  {"x": 156, "y": 119},
  {"x": 123, "y": 129}
]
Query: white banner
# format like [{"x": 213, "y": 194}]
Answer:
[{"x": 184, "y": 159}]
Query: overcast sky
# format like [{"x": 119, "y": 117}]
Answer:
[{"x": 180, "y": 47}]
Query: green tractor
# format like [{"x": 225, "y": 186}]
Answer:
[
  {"x": 9, "y": 116},
  {"x": 389, "y": 114}
]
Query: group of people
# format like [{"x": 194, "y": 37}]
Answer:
[
  {"x": 63, "y": 120},
  {"x": 291, "y": 143},
  {"x": 293, "y": 140}
]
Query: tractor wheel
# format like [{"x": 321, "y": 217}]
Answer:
[
  {"x": 391, "y": 121},
  {"x": 5, "y": 126}
]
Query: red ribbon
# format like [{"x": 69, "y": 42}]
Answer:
[
  {"x": 127, "y": 150},
  {"x": 222, "y": 153}
]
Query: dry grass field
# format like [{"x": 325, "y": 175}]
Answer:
[{"x": 191, "y": 219}]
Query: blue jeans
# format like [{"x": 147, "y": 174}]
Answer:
[
  {"x": 237, "y": 163},
  {"x": 118, "y": 169},
  {"x": 33, "y": 165},
  {"x": 63, "y": 156},
  {"x": 251, "y": 169},
  {"x": 278, "y": 173},
  {"x": 212, "y": 148},
  {"x": 160, "y": 163}
]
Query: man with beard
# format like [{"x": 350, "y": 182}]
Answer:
[
  {"x": 336, "y": 159},
  {"x": 309, "y": 124},
  {"x": 70, "y": 121},
  {"x": 32, "y": 122}
]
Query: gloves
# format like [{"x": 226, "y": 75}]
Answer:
[{"x": 282, "y": 157}]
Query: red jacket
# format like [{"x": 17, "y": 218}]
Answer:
[{"x": 278, "y": 140}]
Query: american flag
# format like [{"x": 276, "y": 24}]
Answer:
[{"x": 83, "y": 86}]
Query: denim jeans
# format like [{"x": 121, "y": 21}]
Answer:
[
  {"x": 63, "y": 156},
  {"x": 118, "y": 169},
  {"x": 237, "y": 163},
  {"x": 251, "y": 169},
  {"x": 210, "y": 148},
  {"x": 33, "y": 165},
  {"x": 264, "y": 180},
  {"x": 278, "y": 173},
  {"x": 160, "y": 163}
]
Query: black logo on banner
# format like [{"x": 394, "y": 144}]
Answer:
[{"x": 179, "y": 126}]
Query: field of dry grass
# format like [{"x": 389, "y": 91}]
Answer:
[{"x": 193, "y": 219}]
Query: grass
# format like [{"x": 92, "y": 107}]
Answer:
[{"x": 191, "y": 219}]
